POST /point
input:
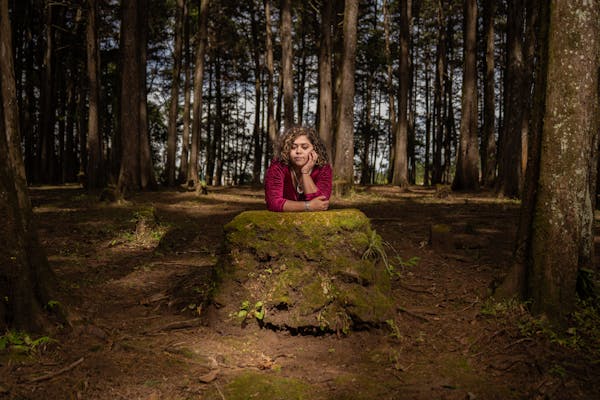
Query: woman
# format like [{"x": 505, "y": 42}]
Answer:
[{"x": 299, "y": 177}]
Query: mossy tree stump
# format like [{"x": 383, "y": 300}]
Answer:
[{"x": 304, "y": 272}]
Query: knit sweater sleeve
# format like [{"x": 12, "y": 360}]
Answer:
[
  {"x": 274, "y": 186},
  {"x": 323, "y": 179}
]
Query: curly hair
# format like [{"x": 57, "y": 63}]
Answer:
[{"x": 286, "y": 140}]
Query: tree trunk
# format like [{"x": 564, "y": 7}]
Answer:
[
  {"x": 488, "y": 139},
  {"x": 562, "y": 239},
  {"x": 467, "y": 164},
  {"x": 287, "y": 58},
  {"x": 555, "y": 232},
  {"x": 325, "y": 88},
  {"x": 257, "y": 131},
  {"x": 147, "y": 178},
  {"x": 26, "y": 280},
  {"x": 439, "y": 95},
  {"x": 185, "y": 137},
  {"x": 400, "y": 177},
  {"x": 271, "y": 124},
  {"x": 174, "y": 104},
  {"x": 95, "y": 165},
  {"x": 390, "y": 89},
  {"x": 343, "y": 167},
  {"x": 47, "y": 117},
  {"x": 129, "y": 176},
  {"x": 515, "y": 101},
  {"x": 198, "y": 79}
]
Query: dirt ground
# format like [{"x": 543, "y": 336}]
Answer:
[{"x": 140, "y": 331}]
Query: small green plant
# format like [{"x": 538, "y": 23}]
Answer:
[
  {"x": 394, "y": 327},
  {"x": 21, "y": 342},
  {"x": 245, "y": 312},
  {"x": 377, "y": 250}
]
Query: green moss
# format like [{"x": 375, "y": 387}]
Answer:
[
  {"x": 304, "y": 268},
  {"x": 254, "y": 385}
]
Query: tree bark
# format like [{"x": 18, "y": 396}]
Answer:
[
  {"x": 198, "y": 80},
  {"x": 174, "y": 104},
  {"x": 467, "y": 164},
  {"x": 325, "y": 88},
  {"x": 400, "y": 177},
  {"x": 562, "y": 239},
  {"x": 129, "y": 176},
  {"x": 488, "y": 139},
  {"x": 26, "y": 281},
  {"x": 515, "y": 101},
  {"x": 271, "y": 124},
  {"x": 287, "y": 58},
  {"x": 185, "y": 137},
  {"x": 439, "y": 95},
  {"x": 390, "y": 88},
  {"x": 343, "y": 167},
  {"x": 257, "y": 131},
  {"x": 95, "y": 165}
]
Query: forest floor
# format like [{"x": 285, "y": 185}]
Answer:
[{"x": 139, "y": 331}]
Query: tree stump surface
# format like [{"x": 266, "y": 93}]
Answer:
[{"x": 303, "y": 272}]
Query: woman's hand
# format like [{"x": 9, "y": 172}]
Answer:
[
  {"x": 310, "y": 162},
  {"x": 320, "y": 203}
]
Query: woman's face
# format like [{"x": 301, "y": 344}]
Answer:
[{"x": 301, "y": 148}]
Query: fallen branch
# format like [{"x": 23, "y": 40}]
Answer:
[
  {"x": 56, "y": 373},
  {"x": 190, "y": 323},
  {"x": 413, "y": 314}
]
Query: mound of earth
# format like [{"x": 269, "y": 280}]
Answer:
[{"x": 303, "y": 272}]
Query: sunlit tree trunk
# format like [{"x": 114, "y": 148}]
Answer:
[
  {"x": 287, "y": 76},
  {"x": 198, "y": 79},
  {"x": 390, "y": 88},
  {"x": 400, "y": 177},
  {"x": 555, "y": 236},
  {"x": 257, "y": 131},
  {"x": 271, "y": 124},
  {"x": 187, "y": 93},
  {"x": 325, "y": 88},
  {"x": 344, "y": 148},
  {"x": 467, "y": 164},
  {"x": 174, "y": 103}
]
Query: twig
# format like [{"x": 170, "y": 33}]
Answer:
[
  {"x": 219, "y": 390},
  {"x": 413, "y": 314},
  {"x": 190, "y": 323},
  {"x": 56, "y": 373}
]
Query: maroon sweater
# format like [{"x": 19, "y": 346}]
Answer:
[{"x": 279, "y": 186}]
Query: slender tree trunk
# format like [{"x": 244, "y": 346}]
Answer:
[
  {"x": 467, "y": 164},
  {"x": 488, "y": 138},
  {"x": 515, "y": 101},
  {"x": 257, "y": 131},
  {"x": 427, "y": 172},
  {"x": 47, "y": 117},
  {"x": 439, "y": 95},
  {"x": 344, "y": 148},
  {"x": 325, "y": 88},
  {"x": 198, "y": 80},
  {"x": 271, "y": 124},
  {"x": 185, "y": 138},
  {"x": 390, "y": 88},
  {"x": 26, "y": 278},
  {"x": 302, "y": 67},
  {"x": 400, "y": 177},
  {"x": 287, "y": 58},
  {"x": 95, "y": 165},
  {"x": 147, "y": 177},
  {"x": 174, "y": 104}
]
